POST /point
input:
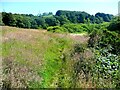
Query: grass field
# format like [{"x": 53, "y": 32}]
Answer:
[{"x": 34, "y": 58}]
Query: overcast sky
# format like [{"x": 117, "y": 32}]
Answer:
[{"x": 40, "y": 6}]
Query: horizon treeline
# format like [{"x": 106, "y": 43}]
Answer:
[{"x": 48, "y": 19}]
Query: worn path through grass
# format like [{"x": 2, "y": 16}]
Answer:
[{"x": 23, "y": 53}]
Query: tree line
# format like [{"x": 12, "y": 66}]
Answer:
[{"x": 48, "y": 19}]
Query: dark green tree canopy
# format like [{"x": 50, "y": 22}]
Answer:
[
  {"x": 82, "y": 17},
  {"x": 48, "y": 19}
]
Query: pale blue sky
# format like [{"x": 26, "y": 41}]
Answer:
[{"x": 35, "y": 6}]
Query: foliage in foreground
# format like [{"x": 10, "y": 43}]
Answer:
[{"x": 105, "y": 44}]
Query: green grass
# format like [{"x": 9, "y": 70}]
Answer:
[
  {"x": 38, "y": 59},
  {"x": 18, "y": 54},
  {"x": 40, "y": 56},
  {"x": 55, "y": 61}
]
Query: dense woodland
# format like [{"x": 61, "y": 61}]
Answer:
[
  {"x": 65, "y": 64},
  {"x": 48, "y": 19}
]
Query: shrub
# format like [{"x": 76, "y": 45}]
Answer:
[
  {"x": 56, "y": 29},
  {"x": 107, "y": 68}
]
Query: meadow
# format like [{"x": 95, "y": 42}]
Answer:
[
  {"x": 70, "y": 55},
  {"x": 34, "y": 58}
]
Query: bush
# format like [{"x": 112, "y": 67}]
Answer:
[
  {"x": 105, "y": 44},
  {"x": 56, "y": 29},
  {"x": 106, "y": 68},
  {"x": 75, "y": 28},
  {"x": 115, "y": 25}
]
